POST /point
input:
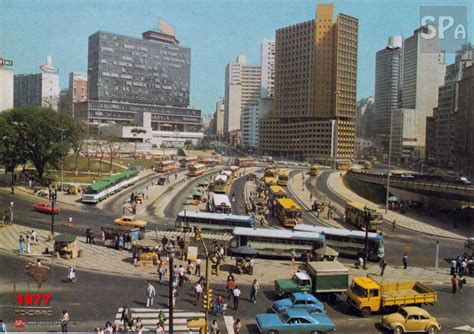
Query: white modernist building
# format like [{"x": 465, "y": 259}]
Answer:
[
  {"x": 267, "y": 61},
  {"x": 6, "y": 89}
]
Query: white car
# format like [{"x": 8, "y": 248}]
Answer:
[{"x": 463, "y": 180}]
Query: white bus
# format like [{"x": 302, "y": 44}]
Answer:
[
  {"x": 277, "y": 243},
  {"x": 220, "y": 203},
  {"x": 212, "y": 221},
  {"x": 196, "y": 169},
  {"x": 222, "y": 183},
  {"x": 348, "y": 242}
]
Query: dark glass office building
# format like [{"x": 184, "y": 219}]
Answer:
[{"x": 129, "y": 75}]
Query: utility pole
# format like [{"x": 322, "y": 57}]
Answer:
[
  {"x": 52, "y": 198},
  {"x": 62, "y": 162},
  {"x": 366, "y": 248},
  {"x": 437, "y": 255},
  {"x": 170, "y": 250}
]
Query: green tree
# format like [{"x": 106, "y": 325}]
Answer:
[
  {"x": 188, "y": 143},
  {"x": 78, "y": 136},
  {"x": 10, "y": 157},
  {"x": 136, "y": 132},
  {"x": 37, "y": 133}
]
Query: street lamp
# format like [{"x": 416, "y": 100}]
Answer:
[
  {"x": 62, "y": 162},
  {"x": 11, "y": 212},
  {"x": 170, "y": 250},
  {"x": 52, "y": 198},
  {"x": 186, "y": 203},
  {"x": 367, "y": 222}
]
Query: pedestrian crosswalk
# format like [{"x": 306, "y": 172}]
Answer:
[{"x": 149, "y": 318}]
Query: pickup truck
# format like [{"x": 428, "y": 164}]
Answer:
[
  {"x": 328, "y": 277},
  {"x": 367, "y": 295}
]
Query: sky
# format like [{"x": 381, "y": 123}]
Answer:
[{"x": 215, "y": 30}]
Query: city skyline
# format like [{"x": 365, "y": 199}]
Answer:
[{"x": 38, "y": 34}]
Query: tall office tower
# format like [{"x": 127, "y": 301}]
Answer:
[
  {"x": 129, "y": 76},
  {"x": 242, "y": 90},
  {"x": 219, "y": 118},
  {"x": 423, "y": 73},
  {"x": 267, "y": 61},
  {"x": 40, "y": 89},
  {"x": 443, "y": 124},
  {"x": 6, "y": 89},
  {"x": 315, "y": 87},
  {"x": 388, "y": 80},
  {"x": 77, "y": 89},
  {"x": 464, "y": 139}
]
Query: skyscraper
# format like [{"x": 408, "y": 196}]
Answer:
[
  {"x": 267, "y": 61},
  {"x": 219, "y": 118},
  {"x": 242, "y": 90},
  {"x": 315, "y": 86},
  {"x": 388, "y": 81},
  {"x": 77, "y": 89}
]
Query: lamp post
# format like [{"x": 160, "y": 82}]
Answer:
[
  {"x": 170, "y": 250},
  {"x": 186, "y": 203},
  {"x": 11, "y": 212},
  {"x": 62, "y": 162},
  {"x": 52, "y": 198},
  {"x": 366, "y": 246}
]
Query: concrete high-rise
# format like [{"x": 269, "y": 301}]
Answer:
[
  {"x": 77, "y": 89},
  {"x": 423, "y": 74},
  {"x": 315, "y": 88},
  {"x": 129, "y": 76},
  {"x": 219, "y": 118},
  {"x": 242, "y": 90},
  {"x": 6, "y": 89},
  {"x": 388, "y": 80},
  {"x": 267, "y": 61},
  {"x": 41, "y": 89}
]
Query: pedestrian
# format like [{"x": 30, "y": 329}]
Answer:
[
  {"x": 175, "y": 176},
  {"x": 150, "y": 294},
  {"x": 454, "y": 283},
  {"x": 405, "y": 261},
  {"x": 394, "y": 224},
  {"x": 463, "y": 266},
  {"x": 124, "y": 207},
  {"x": 236, "y": 294},
  {"x": 233, "y": 197},
  {"x": 214, "y": 327},
  {"x": 3, "y": 327},
  {"x": 120, "y": 242},
  {"x": 28, "y": 245},
  {"x": 189, "y": 268},
  {"x": 138, "y": 326},
  {"x": 91, "y": 236},
  {"x": 237, "y": 326},
  {"x": 159, "y": 329},
  {"x": 34, "y": 237},
  {"x": 293, "y": 257},
  {"x": 453, "y": 266},
  {"x": 88, "y": 236},
  {"x": 230, "y": 286},
  {"x": 254, "y": 290},
  {"x": 161, "y": 272},
  {"x": 161, "y": 320},
  {"x": 181, "y": 275},
  {"x": 251, "y": 266},
  {"x": 311, "y": 197},
  {"x": 197, "y": 271},
  {"x": 361, "y": 263},
  {"x": 164, "y": 242},
  {"x": 72, "y": 274},
  {"x": 109, "y": 329},
  {"x": 21, "y": 243},
  {"x": 64, "y": 320},
  {"x": 197, "y": 292},
  {"x": 461, "y": 282},
  {"x": 383, "y": 264},
  {"x": 221, "y": 251},
  {"x": 30, "y": 183},
  {"x": 126, "y": 318}
]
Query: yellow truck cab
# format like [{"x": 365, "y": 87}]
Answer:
[{"x": 367, "y": 295}]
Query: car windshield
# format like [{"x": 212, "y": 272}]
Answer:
[
  {"x": 283, "y": 316},
  {"x": 358, "y": 290},
  {"x": 403, "y": 313},
  {"x": 293, "y": 299}
]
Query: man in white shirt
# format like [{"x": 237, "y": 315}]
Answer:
[
  {"x": 150, "y": 294},
  {"x": 236, "y": 297}
]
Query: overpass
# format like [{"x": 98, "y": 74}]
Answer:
[{"x": 420, "y": 185}]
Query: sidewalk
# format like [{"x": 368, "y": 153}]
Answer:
[
  {"x": 303, "y": 195},
  {"x": 337, "y": 186}
]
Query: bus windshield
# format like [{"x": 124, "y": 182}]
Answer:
[{"x": 358, "y": 290}]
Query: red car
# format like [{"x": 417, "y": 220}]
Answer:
[{"x": 45, "y": 207}]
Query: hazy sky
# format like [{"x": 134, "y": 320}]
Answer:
[{"x": 216, "y": 31}]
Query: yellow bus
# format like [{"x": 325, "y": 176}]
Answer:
[
  {"x": 288, "y": 212},
  {"x": 271, "y": 172},
  {"x": 283, "y": 178},
  {"x": 367, "y": 165},
  {"x": 270, "y": 181},
  {"x": 355, "y": 215},
  {"x": 221, "y": 184},
  {"x": 314, "y": 170},
  {"x": 277, "y": 192}
]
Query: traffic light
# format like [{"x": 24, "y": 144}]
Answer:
[{"x": 207, "y": 299}]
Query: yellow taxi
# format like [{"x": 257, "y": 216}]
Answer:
[
  {"x": 411, "y": 319},
  {"x": 130, "y": 221}
]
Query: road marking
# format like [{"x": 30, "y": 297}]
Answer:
[
  {"x": 465, "y": 328},
  {"x": 229, "y": 323}
]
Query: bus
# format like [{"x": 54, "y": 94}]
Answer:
[
  {"x": 166, "y": 166},
  {"x": 288, "y": 212},
  {"x": 313, "y": 170},
  {"x": 277, "y": 192},
  {"x": 367, "y": 165},
  {"x": 234, "y": 170},
  {"x": 283, "y": 178},
  {"x": 197, "y": 169},
  {"x": 355, "y": 215},
  {"x": 343, "y": 165},
  {"x": 188, "y": 162},
  {"x": 349, "y": 242},
  {"x": 221, "y": 183},
  {"x": 186, "y": 221},
  {"x": 271, "y": 172},
  {"x": 246, "y": 162},
  {"x": 210, "y": 162},
  {"x": 220, "y": 204},
  {"x": 276, "y": 243},
  {"x": 97, "y": 191},
  {"x": 270, "y": 181}
]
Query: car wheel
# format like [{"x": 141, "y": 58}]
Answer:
[
  {"x": 398, "y": 330},
  {"x": 432, "y": 330},
  {"x": 272, "y": 331},
  {"x": 365, "y": 312}
]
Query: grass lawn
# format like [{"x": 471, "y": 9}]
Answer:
[
  {"x": 147, "y": 164},
  {"x": 69, "y": 165},
  {"x": 72, "y": 178}
]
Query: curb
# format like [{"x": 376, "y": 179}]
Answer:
[{"x": 398, "y": 226}]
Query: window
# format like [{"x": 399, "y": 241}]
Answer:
[{"x": 374, "y": 293}]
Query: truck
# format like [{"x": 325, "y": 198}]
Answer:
[
  {"x": 368, "y": 295},
  {"x": 320, "y": 277}
]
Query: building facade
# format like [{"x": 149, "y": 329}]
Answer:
[
  {"x": 242, "y": 90},
  {"x": 464, "y": 126},
  {"x": 315, "y": 89},
  {"x": 6, "y": 89},
  {"x": 77, "y": 89},
  {"x": 41, "y": 89},
  {"x": 129, "y": 75},
  {"x": 364, "y": 118},
  {"x": 249, "y": 122},
  {"x": 388, "y": 81},
  {"x": 267, "y": 61},
  {"x": 219, "y": 118}
]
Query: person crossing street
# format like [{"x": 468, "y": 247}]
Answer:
[
  {"x": 236, "y": 294},
  {"x": 150, "y": 294}
]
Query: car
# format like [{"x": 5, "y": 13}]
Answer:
[
  {"x": 300, "y": 300},
  {"x": 463, "y": 180},
  {"x": 300, "y": 282},
  {"x": 130, "y": 221},
  {"x": 411, "y": 319},
  {"x": 45, "y": 207},
  {"x": 294, "y": 321}
]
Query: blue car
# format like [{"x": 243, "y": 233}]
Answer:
[
  {"x": 300, "y": 300},
  {"x": 294, "y": 321}
]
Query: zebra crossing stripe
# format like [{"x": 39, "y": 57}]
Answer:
[
  {"x": 229, "y": 323},
  {"x": 149, "y": 318}
]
